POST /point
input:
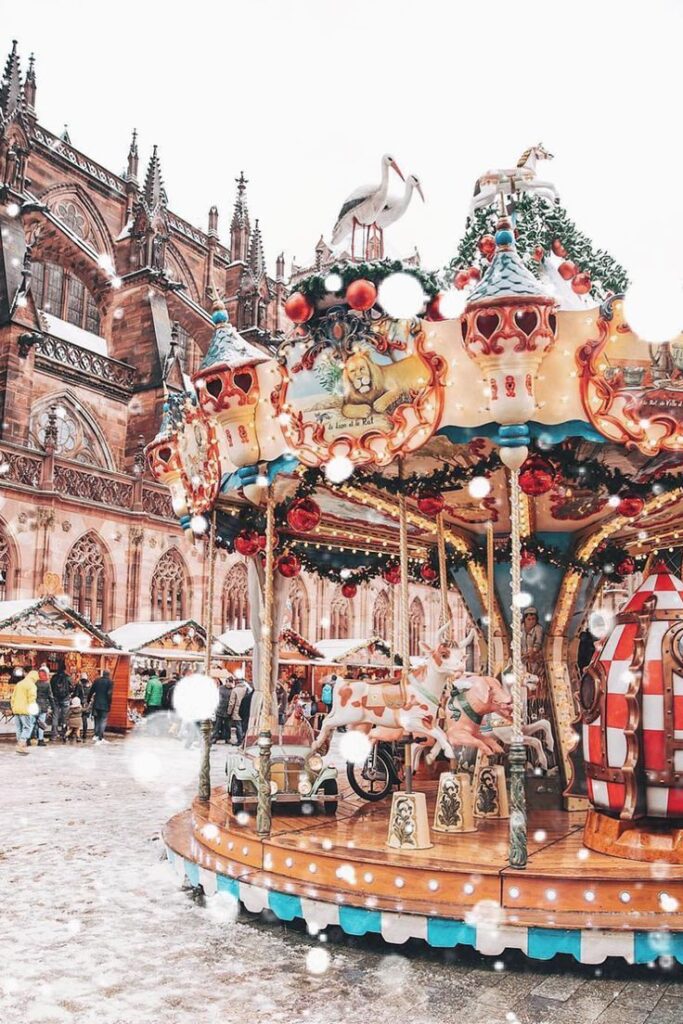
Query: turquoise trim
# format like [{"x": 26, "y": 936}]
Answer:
[
  {"x": 545, "y": 943},
  {"x": 192, "y": 871},
  {"x": 649, "y": 945},
  {"x": 286, "y": 907},
  {"x": 229, "y": 885},
  {"x": 550, "y": 434},
  {"x": 443, "y": 931},
  {"x": 357, "y": 921}
]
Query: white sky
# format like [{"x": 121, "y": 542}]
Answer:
[{"x": 306, "y": 95}]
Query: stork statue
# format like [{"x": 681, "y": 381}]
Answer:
[
  {"x": 363, "y": 206},
  {"x": 395, "y": 207}
]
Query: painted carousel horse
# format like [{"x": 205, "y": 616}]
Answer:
[
  {"x": 530, "y": 730},
  {"x": 521, "y": 178}
]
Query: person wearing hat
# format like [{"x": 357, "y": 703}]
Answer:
[
  {"x": 24, "y": 708},
  {"x": 45, "y": 700}
]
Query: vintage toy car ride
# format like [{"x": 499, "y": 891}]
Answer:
[{"x": 297, "y": 776}]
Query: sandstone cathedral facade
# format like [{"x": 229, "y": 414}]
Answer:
[{"x": 102, "y": 288}]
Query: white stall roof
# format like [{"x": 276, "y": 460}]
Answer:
[{"x": 135, "y": 635}]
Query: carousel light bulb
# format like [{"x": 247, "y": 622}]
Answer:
[
  {"x": 522, "y": 600},
  {"x": 333, "y": 283},
  {"x": 284, "y": 418},
  {"x": 614, "y": 500},
  {"x": 653, "y": 307},
  {"x": 479, "y": 486},
  {"x": 12, "y": 209},
  {"x": 199, "y": 524},
  {"x": 401, "y": 296},
  {"x": 261, "y": 480},
  {"x": 338, "y": 469},
  {"x": 452, "y": 303}
]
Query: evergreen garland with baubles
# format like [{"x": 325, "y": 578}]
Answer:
[{"x": 541, "y": 228}]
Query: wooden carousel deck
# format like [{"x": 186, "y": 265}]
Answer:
[{"x": 339, "y": 871}]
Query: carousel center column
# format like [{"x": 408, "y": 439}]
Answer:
[
  {"x": 205, "y": 769},
  {"x": 263, "y": 807}
]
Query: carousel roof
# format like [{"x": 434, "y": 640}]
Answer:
[
  {"x": 507, "y": 277},
  {"x": 228, "y": 346}
]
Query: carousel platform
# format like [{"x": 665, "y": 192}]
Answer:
[{"x": 338, "y": 871}]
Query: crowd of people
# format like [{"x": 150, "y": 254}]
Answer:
[{"x": 60, "y": 705}]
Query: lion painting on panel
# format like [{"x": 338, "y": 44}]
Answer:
[{"x": 370, "y": 387}]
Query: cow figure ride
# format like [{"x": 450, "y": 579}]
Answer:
[{"x": 387, "y": 711}]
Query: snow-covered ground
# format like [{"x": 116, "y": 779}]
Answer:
[{"x": 95, "y": 927}]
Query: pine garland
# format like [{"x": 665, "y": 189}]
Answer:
[{"x": 314, "y": 288}]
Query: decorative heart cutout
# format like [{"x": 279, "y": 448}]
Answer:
[
  {"x": 165, "y": 454},
  {"x": 487, "y": 323},
  {"x": 214, "y": 386},
  {"x": 527, "y": 321},
  {"x": 463, "y": 328},
  {"x": 243, "y": 381},
  {"x": 552, "y": 320}
]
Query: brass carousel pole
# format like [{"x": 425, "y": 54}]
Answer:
[
  {"x": 263, "y": 807},
  {"x": 443, "y": 570},
  {"x": 518, "y": 817},
  {"x": 489, "y": 597},
  {"x": 205, "y": 768},
  {"x": 404, "y": 633}
]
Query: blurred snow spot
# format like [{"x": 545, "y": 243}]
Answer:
[{"x": 317, "y": 960}]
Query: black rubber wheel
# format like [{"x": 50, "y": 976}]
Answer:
[
  {"x": 371, "y": 780},
  {"x": 236, "y": 792},
  {"x": 330, "y": 788}
]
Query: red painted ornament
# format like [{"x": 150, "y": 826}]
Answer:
[
  {"x": 288, "y": 566},
  {"x": 536, "y": 476},
  {"x": 428, "y": 573},
  {"x": 247, "y": 543},
  {"x": 539, "y": 253},
  {"x": 630, "y": 506},
  {"x": 303, "y": 515},
  {"x": 430, "y": 504},
  {"x": 528, "y": 560},
  {"x": 559, "y": 249},
  {"x": 262, "y": 540},
  {"x": 433, "y": 311},
  {"x": 392, "y": 574},
  {"x": 361, "y": 294},
  {"x": 487, "y": 245},
  {"x": 462, "y": 279},
  {"x": 567, "y": 270},
  {"x": 298, "y": 308},
  {"x": 627, "y": 566},
  {"x": 349, "y": 590},
  {"x": 474, "y": 273},
  {"x": 582, "y": 283}
]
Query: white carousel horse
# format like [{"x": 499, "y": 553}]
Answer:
[
  {"x": 521, "y": 178},
  {"x": 387, "y": 710}
]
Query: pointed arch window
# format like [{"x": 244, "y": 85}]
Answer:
[
  {"x": 381, "y": 625},
  {"x": 235, "y": 612},
  {"x": 340, "y": 617},
  {"x": 6, "y": 566},
  {"x": 61, "y": 293},
  {"x": 87, "y": 580},
  {"x": 298, "y": 604},
  {"x": 416, "y": 627},
  {"x": 170, "y": 588}
]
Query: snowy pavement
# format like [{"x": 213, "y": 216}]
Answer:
[{"x": 95, "y": 926}]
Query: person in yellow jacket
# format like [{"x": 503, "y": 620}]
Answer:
[{"x": 25, "y": 708}]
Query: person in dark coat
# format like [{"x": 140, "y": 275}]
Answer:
[
  {"x": 245, "y": 708},
  {"x": 61, "y": 690},
  {"x": 586, "y": 649},
  {"x": 100, "y": 693},
  {"x": 221, "y": 729},
  {"x": 46, "y": 702}
]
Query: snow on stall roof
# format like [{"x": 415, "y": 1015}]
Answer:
[
  {"x": 76, "y": 335},
  {"x": 8, "y": 609},
  {"x": 337, "y": 650},
  {"x": 239, "y": 641},
  {"x": 135, "y": 635}
]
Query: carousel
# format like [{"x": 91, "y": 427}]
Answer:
[{"x": 498, "y": 429}]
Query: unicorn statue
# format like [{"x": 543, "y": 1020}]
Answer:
[{"x": 521, "y": 178}]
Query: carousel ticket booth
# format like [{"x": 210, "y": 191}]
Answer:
[{"x": 45, "y": 631}]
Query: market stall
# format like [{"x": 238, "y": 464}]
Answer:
[
  {"x": 46, "y": 631},
  {"x": 296, "y": 655}
]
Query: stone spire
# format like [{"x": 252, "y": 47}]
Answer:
[
  {"x": 132, "y": 165},
  {"x": 11, "y": 92},
  {"x": 154, "y": 191},
  {"x": 213, "y": 222},
  {"x": 256, "y": 259},
  {"x": 280, "y": 267},
  {"x": 30, "y": 86},
  {"x": 65, "y": 137},
  {"x": 240, "y": 227}
]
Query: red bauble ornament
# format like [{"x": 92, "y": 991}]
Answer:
[
  {"x": 559, "y": 249},
  {"x": 536, "y": 476},
  {"x": 462, "y": 279},
  {"x": 288, "y": 566},
  {"x": 392, "y": 574},
  {"x": 630, "y": 506},
  {"x": 303, "y": 515},
  {"x": 349, "y": 590},
  {"x": 474, "y": 273},
  {"x": 626, "y": 567},
  {"x": 361, "y": 294},
  {"x": 567, "y": 270},
  {"x": 433, "y": 312},
  {"x": 539, "y": 253},
  {"x": 582, "y": 283},
  {"x": 487, "y": 245},
  {"x": 262, "y": 540},
  {"x": 247, "y": 543},
  {"x": 428, "y": 573},
  {"x": 528, "y": 560},
  {"x": 430, "y": 504},
  {"x": 298, "y": 308}
]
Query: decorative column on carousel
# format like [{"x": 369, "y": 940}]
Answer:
[
  {"x": 205, "y": 767},
  {"x": 508, "y": 326},
  {"x": 267, "y": 724}
]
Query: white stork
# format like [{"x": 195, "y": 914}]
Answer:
[
  {"x": 363, "y": 205},
  {"x": 396, "y": 206}
]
